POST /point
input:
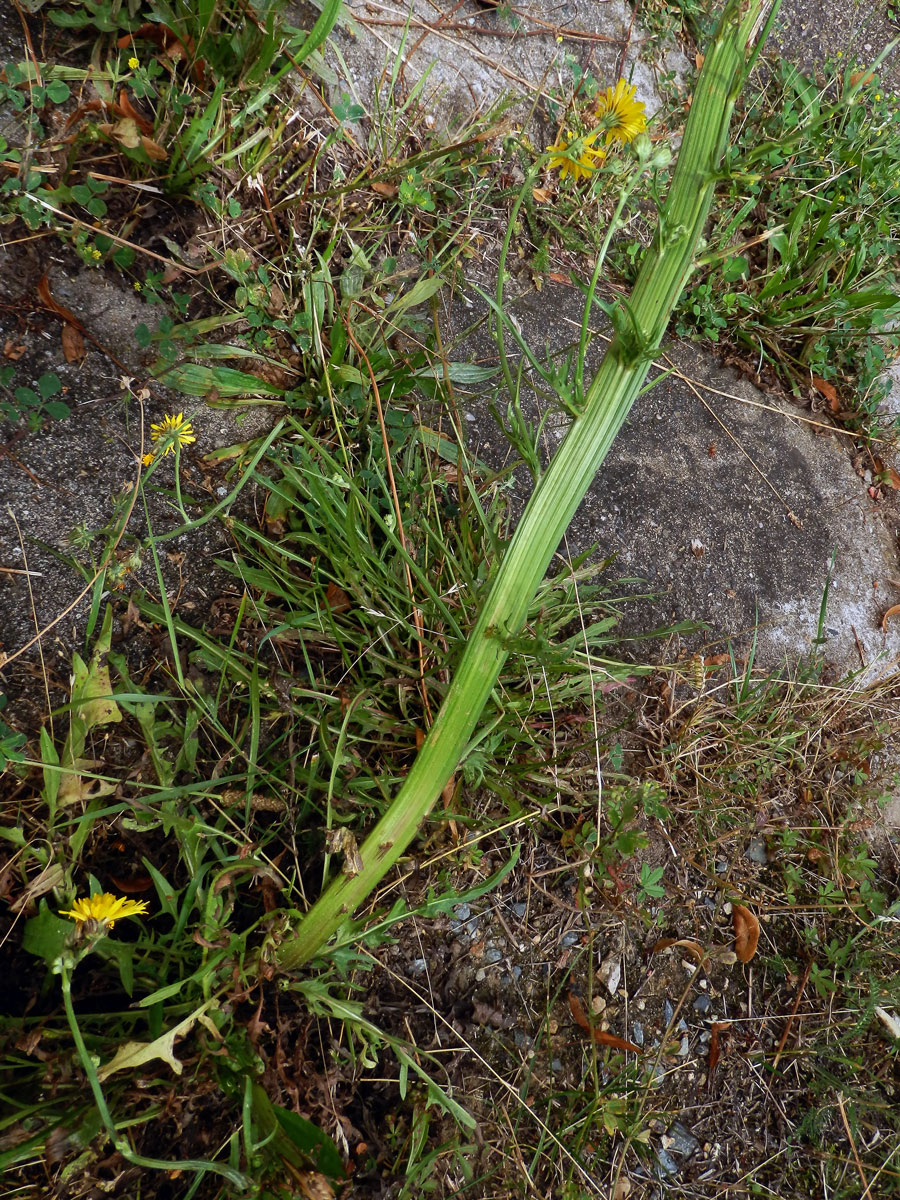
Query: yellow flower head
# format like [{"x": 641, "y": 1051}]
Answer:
[
  {"x": 575, "y": 156},
  {"x": 620, "y": 115},
  {"x": 106, "y": 909},
  {"x": 147, "y": 459},
  {"x": 133, "y": 63},
  {"x": 171, "y": 433}
]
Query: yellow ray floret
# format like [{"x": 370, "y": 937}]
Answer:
[
  {"x": 575, "y": 156},
  {"x": 619, "y": 115},
  {"x": 172, "y": 431},
  {"x": 105, "y": 908}
]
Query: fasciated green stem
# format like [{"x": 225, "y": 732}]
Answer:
[{"x": 640, "y": 325}]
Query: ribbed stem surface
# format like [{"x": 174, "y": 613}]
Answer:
[{"x": 664, "y": 272}]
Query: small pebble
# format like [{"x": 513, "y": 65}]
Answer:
[
  {"x": 493, "y": 956},
  {"x": 520, "y": 1039},
  {"x": 517, "y": 972},
  {"x": 417, "y": 966},
  {"x": 756, "y": 852},
  {"x": 462, "y": 911},
  {"x": 556, "y": 1065},
  {"x": 685, "y": 1048},
  {"x": 681, "y": 1141},
  {"x": 668, "y": 1012},
  {"x": 520, "y": 910},
  {"x": 637, "y": 1033},
  {"x": 702, "y": 1004},
  {"x": 667, "y": 1162},
  {"x": 570, "y": 938},
  {"x": 479, "y": 975},
  {"x": 221, "y": 491}
]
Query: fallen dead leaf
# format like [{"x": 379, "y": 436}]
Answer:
[
  {"x": 341, "y": 841},
  {"x": 46, "y": 298},
  {"x": 746, "y": 930},
  {"x": 125, "y": 131},
  {"x": 716, "y": 660},
  {"x": 826, "y": 389},
  {"x": 336, "y": 598},
  {"x": 154, "y": 150},
  {"x": 389, "y": 190},
  {"x": 72, "y": 343},
  {"x": 610, "y": 972},
  {"x": 542, "y": 195},
  {"x": 893, "y": 611},
  {"x": 604, "y": 1039},
  {"x": 13, "y": 351},
  {"x": 127, "y": 109},
  {"x": 314, "y": 1186},
  {"x": 715, "y": 1050},
  {"x": 684, "y": 943}
]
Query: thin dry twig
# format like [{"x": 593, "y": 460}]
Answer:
[{"x": 846, "y": 1123}]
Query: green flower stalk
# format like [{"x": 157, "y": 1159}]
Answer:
[{"x": 640, "y": 325}]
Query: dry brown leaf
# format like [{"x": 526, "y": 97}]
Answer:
[
  {"x": 127, "y": 109},
  {"x": 542, "y": 195},
  {"x": 389, "y": 190},
  {"x": 893, "y": 611},
  {"x": 604, "y": 1039},
  {"x": 715, "y": 1051},
  {"x": 826, "y": 389},
  {"x": 699, "y": 60},
  {"x": 154, "y": 150},
  {"x": 72, "y": 343},
  {"x": 13, "y": 351},
  {"x": 314, "y": 1186},
  {"x": 336, "y": 598},
  {"x": 684, "y": 943},
  {"x": 746, "y": 930},
  {"x": 716, "y": 660},
  {"x": 341, "y": 841},
  {"x": 46, "y": 298},
  {"x": 125, "y": 131}
]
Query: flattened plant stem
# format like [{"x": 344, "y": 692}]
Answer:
[{"x": 640, "y": 327}]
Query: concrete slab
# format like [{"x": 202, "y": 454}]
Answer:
[{"x": 728, "y": 502}]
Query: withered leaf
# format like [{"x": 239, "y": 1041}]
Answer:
[
  {"x": 127, "y": 109},
  {"x": 46, "y": 298},
  {"x": 715, "y": 1050},
  {"x": 154, "y": 150},
  {"x": 72, "y": 343},
  {"x": 826, "y": 389},
  {"x": 746, "y": 932},
  {"x": 13, "y": 351},
  {"x": 125, "y": 131},
  {"x": 341, "y": 841},
  {"x": 336, "y": 598},
  {"x": 692, "y": 947},
  {"x": 604, "y": 1039},
  {"x": 893, "y": 611},
  {"x": 313, "y": 1186},
  {"x": 389, "y": 190}
]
